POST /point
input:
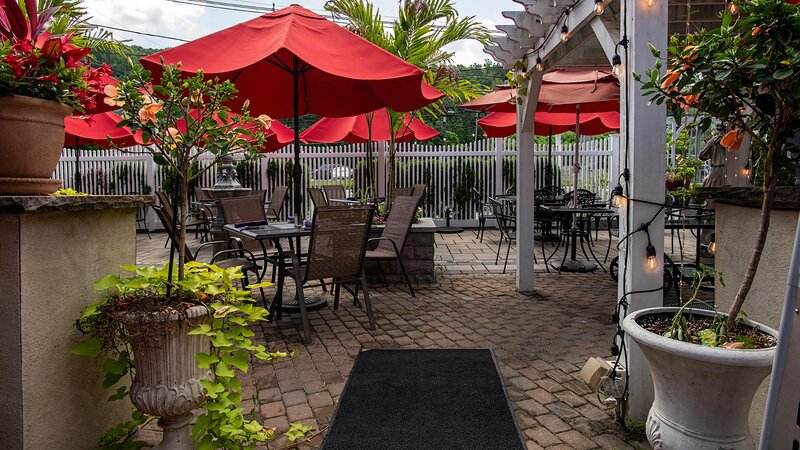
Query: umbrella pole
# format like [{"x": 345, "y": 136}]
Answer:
[
  {"x": 576, "y": 167},
  {"x": 297, "y": 172},
  {"x": 77, "y": 164},
  {"x": 548, "y": 167}
]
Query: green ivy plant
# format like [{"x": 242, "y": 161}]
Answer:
[
  {"x": 231, "y": 311},
  {"x": 743, "y": 74},
  {"x": 517, "y": 77}
]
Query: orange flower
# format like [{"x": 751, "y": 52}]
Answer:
[
  {"x": 756, "y": 31},
  {"x": 732, "y": 140},
  {"x": 670, "y": 78},
  {"x": 148, "y": 113},
  {"x": 689, "y": 100},
  {"x": 266, "y": 121},
  {"x": 112, "y": 96},
  {"x": 690, "y": 53}
]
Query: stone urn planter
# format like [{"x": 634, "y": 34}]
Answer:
[
  {"x": 167, "y": 380},
  {"x": 702, "y": 394},
  {"x": 31, "y": 140}
]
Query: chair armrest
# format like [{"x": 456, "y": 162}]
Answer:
[{"x": 396, "y": 251}]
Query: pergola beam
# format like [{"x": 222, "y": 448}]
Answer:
[{"x": 606, "y": 28}]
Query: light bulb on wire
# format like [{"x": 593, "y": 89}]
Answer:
[
  {"x": 564, "y": 33},
  {"x": 652, "y": 262},
  {"x": 539, "y": 64},
  {"x": 599, "y": 7},
  {"x": 616, "y": 66},
  {"x": 617, "y": 199},
  {"x": 712, "y": 247},
  {"x": 746, "y": 170}
]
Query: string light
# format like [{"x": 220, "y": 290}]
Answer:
[
  {"x": 733, "y": 7},
  {"x": 617, "y": 199},
  {"x": 649, "y": 3},
  {"x": 599, "y": 7},
  {"x": 746, "y": 170},
  {"x": 652, "y": 262},
  {"x": 616, "y": 66},
  {"x": 565, "y": 28},
  {"x": 712, "y": 247},
  {"x": 539, "y": 65}
]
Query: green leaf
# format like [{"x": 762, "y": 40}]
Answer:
[
  {"x": 653, "y": 50},
  {"x": 91, "y": 347},
  {"x": 204, "y": 360},
  {"x": 240, "y": 359},
  {"x": 202, "y": 329},
  {"x": 222, "y": 370},
  {"x": 122, "y": 391},
  {"x": 782, "y": 74},
  {"x": 708, "y": 337},
  {"x": 107, "y": 282},
  {"x": 219, "y": 340}
]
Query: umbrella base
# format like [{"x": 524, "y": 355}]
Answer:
[
  {"x": 574, "y": 265},
  {"x": 449, "y": 230}
]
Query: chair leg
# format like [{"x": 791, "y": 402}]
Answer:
[
  {"x": 336, "y": 288},
  {"x": 380, "y": 269},
  {"x": 508, "y": 252},
  {"x": 499, "y": 244},
  {"x": 301, "y": 300},
  {"x": 367, "y": 302},
  {"x": 408, "y": 281}
]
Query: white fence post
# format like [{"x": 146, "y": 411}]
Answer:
[
  {"x": 382, "y": 169},
  {"x": 499, "y": 156}
]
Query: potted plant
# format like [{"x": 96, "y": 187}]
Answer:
[
  {"x": 181, "y": 351},
  {"x": 743, "y": 74},
  {"x": 41, "y": 81},
  {"x": 186, "y": 324}
]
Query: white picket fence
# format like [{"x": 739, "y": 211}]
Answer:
[{"x": 450, "y": 171}]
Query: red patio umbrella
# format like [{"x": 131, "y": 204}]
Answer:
[
  {"x": 293, "y": 62},
  {"x": 95, "y": 129},
  {"x": 357, "y": 129},
  {"x": 502, "y": 124}
]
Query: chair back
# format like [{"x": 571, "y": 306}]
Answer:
[
  {"x": 555, "y": 190},
  {"x": 317, "y": 197},
  {"x": 511, "y": 191},
  {"x": 506, "y": 216},
  {"x": 200, "y": 194},
  {"x": 166, "y": 221},
  {"x": 542, "y": 196},
  {"x": 334, "y": 191},
  {"x": 276, "y": 201},
  {"x": 338, "y": 242},
  {"x": 420, "y": 190},
  {"x": 163, "y": 198},
  {"x": 401, "y": 192},
  {"x": 584, "y": 197},
  {"x": 249, "y": 208},
  {"x": 398, "y": 225}
]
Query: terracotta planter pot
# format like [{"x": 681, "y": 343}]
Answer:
[
  {"x": 702, "y": 394},
  {"x": 31, "y": 140},
  {"x": 167, "y": 380}
]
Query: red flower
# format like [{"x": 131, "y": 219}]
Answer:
[{"x": 50, "y": 77}]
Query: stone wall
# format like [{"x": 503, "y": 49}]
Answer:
[
  {"x": 53, "y": 249},
  {"x": 417, "y": 256}
]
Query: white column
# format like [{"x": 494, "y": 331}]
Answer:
[
  {"x": 381, "y": 169},
  {"x": 526, "y": 185},
  {"x": 615, "y": 162},
  {"x": 645, "y": 160},
  {"x": 498, "y": 166}
]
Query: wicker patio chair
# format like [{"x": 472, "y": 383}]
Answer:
[
  {"x": 336, "y": 191},
  {"x": 317, "y": 197},
  {"x": 276, "y": 202},
  {"x": 234, "y": 255},
  {"x": 249, "y": 209},
  {"x": 335, "y": 252},
  {"x": 395, "y": 232},
  {"x": 401, "y": 192},
  {"x": 200, "y": 222}
]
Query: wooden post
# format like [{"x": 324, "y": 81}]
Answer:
[{"x": 646, "y": 25}]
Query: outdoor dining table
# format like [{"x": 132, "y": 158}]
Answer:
[
  {"x": 574, "y": 264},
  {"x": 344, "y": 201},
  {"x": 276, "y": 232}
]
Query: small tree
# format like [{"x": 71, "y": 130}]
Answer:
[
  {"x": 183, "y": 119},
  {"x": 744, "y": 74}
]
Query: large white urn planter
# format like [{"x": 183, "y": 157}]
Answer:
[
  {"x": 167, "y": 382},
  {"x": 702, "y": 394}
]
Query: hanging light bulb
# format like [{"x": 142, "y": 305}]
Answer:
[
  {"x": 617, "y": 199},
  {"x": 649, "y": 3},
  {"x": 599, "y": 7},
  {"x": 564, "y": 33},
  {"x": 616, "y": 66},
  {"x": 733, "y": 7},
  {"x": 539, "y": 65},
  {"x": 652, "y": 262},
  {"x": 712, "y": 247},
  {"x": 746, "y": 170}
]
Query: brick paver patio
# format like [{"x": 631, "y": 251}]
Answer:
[{"x": 541, "y": 343}]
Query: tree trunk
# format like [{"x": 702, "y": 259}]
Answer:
[
  {"x": 183, "y": 214},
  {"x": 770, "y": 183}
]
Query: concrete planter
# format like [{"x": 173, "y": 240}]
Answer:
[
  {"x": 167, "y": 380},
  {"x": 702, "y": 394}
]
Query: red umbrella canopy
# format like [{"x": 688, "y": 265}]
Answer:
[
  {"x": 561, "y": 91},
  {"x": 340, "y": 74},
  {"x": 96, "y": 129},
  {"x": 502, "y": 124},
  {"x": 355, "y": 129},
  {"x": 276, "y": 137}
]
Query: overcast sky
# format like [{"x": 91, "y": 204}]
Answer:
[{"x": 174, "y": 19}]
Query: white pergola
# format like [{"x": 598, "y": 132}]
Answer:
[{"x": 593, "y": 41}]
